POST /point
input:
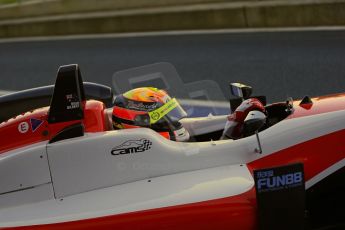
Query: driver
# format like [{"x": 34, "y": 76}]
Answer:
[
  {"x": 152, "y": 108},
  {"x": 235, "y": 123}
]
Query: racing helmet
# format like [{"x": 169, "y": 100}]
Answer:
[{"x": 151, "y": 108}]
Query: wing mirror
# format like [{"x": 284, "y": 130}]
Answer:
[
  {"x": 241, "y": 90},
  {"x": 254, "y": 121}
]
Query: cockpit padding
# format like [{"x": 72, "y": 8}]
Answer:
[{"x": 276, "y": 112}]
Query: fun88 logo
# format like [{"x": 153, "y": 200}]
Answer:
[{"x": 267, "y": 181}]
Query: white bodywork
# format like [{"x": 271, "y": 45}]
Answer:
[
  {"x": 79, "y": 178},
  {"x": 24, "y": 168},
  {"x": 158, "y": 192}
]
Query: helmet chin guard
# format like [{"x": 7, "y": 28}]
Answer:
[{"x": 181, "y": 135}]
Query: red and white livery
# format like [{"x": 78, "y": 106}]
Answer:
[{"x": 63, "y": 167}]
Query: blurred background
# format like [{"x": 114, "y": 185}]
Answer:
[{"x": 282, "y": 48}]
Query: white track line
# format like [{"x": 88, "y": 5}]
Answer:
[
  {"x": 3, "y": 92},
  {"x": 173, "y": 33}
]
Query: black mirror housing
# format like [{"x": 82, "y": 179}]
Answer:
[{"x": 241, "y": 90}]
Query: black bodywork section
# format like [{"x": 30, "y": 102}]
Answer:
[
  {"x": 280, "y": 195},
  {"x": 326, "y": 202},
  {"x": 321, "y": 207},
  {"x": 68, "y": 96},
  {"x": 76, "y": 130}
]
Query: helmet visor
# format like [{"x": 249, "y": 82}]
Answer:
[
  {"x": 164, "y": 118},
  {"x": 171, "y": 111}
]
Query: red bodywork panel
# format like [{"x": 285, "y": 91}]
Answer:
[
  {"x": 311, "y": 153},
  {"x": 32, "y": 127},
  {"x": 236, "y": 212},
  {"x": 320, "y": 105}
]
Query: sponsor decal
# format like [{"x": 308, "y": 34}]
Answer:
[
  {"x": 162, "y": 111},
  {"x": 268, "y": 181},
  {"x": 155, "y": 116},
  {"x": 23, "y": 127},
  {"x": 141, "y": 106},
  {"x": 280, "y": 195},
  {"x": 35, "y": 124},
  {"x": 73, "y": 105},
  {"x": 132, "y": 146},
  {"x": 72, "y": 101}
]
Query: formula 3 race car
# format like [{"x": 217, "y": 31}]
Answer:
[{"x": 63, "y": 167}]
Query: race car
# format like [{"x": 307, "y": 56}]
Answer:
[{"x": 62, "y": 166}]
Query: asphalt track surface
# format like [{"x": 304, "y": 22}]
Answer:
[{"x": 276, "y": 64}]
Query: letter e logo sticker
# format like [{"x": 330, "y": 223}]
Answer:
[{"x": 23, "y": 127}]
